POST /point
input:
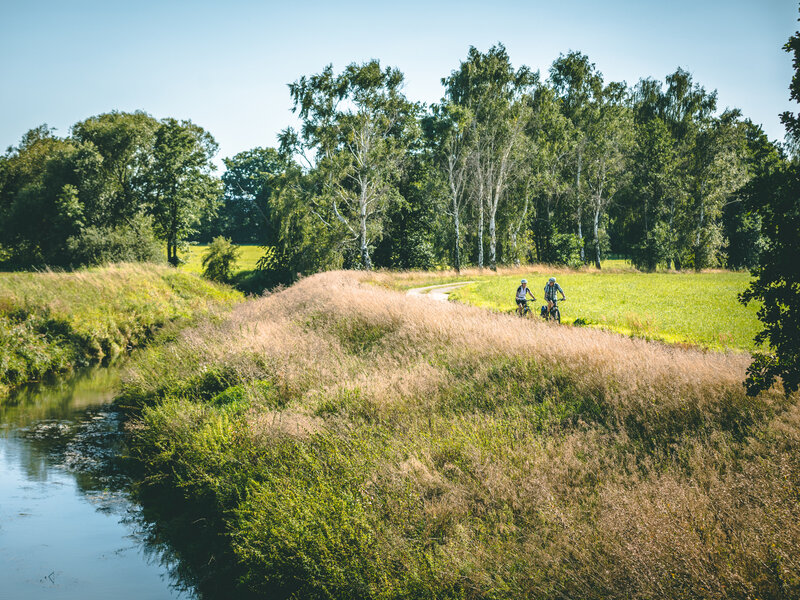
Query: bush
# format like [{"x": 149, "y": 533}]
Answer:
[
  {"x": 219, "y": 260},
  {"x": 131, "y": 242},
  {"x": 565, "y": 249}
]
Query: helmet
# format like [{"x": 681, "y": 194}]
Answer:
[
  {"x": 524, "y": 281},
  {"x": 552, "y": 280}
]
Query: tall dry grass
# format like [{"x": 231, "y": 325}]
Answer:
[{"x": 406, "y": 447}]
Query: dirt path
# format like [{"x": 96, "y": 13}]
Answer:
[{"x": 439, "y": 292}]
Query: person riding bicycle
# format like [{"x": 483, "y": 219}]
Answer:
[
  {"x": 522, "y": 295},
  {"x": 550, "y": 290}
]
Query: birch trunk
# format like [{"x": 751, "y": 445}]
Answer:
[
  {"x": 365, "y": 261},
  {"x": 597, "y": 236},
  {"x": 493, "y": 237},
  {"x": 580, "y": 206},
  {"x": 480, "y": 234},
  {"x": 458, "y": 236}
]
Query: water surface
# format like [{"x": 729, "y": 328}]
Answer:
[{"x": 68, "y": 529}]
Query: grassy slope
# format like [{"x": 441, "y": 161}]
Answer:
[
  {"x": 366, "y": 444},
  {"x": 52, "y": 322}
]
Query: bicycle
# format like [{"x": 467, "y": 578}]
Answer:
[
  {"x": 554, "y": 313},
  {"x": 524, "y": 310}
]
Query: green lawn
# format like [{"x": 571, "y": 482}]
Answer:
[
  {"x": 193, "y": 258},
  {"x": 694, "y": 308}
]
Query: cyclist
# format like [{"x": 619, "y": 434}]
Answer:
[
  {"x": 550, "y": 290},
  {"x": 522, "y": 291}
]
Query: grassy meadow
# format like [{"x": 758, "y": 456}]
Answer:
[
  {"x": 52, "y": 322},
  {"x": 193, "y": 258},
  {"x": 364, "y": 443},
  {"x": 682, "y": 308}
]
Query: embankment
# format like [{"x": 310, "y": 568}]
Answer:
[
  {"x": 53, "y": 322},
  {"x": 339, "y": 440}
]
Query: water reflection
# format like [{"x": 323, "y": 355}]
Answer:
[{"x": 67, "y": 526}]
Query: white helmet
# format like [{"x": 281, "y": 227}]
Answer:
[
  {"x": 524, "y": 281},
  {"x": 552, "y": 280}
]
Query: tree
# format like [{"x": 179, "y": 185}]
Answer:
[
  {"x": 249, "y": 183},
  {"x": 551, "y": 146},
  {"x": 742, "y": 224},
  {"x": 448, "y": 130},
  {"x": 40, "y": 202},
  {"x": 655, "y": 186},
  {"x": 499, "y": 98},
  {"x": 124, "y": 141},
  {"x": 608, "y": 126},
  {"x": 576, "y": 82},
  {"x": 180, "y": 188},
  {"x": 358, "y": 124},
  {"x": 719, "y": 169},
  {"x": 776, "y": 197}
]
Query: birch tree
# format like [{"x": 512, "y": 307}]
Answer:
[
  {"x": 609, "y": 129},
  {"x": 577, "y": 82},
  {"x": 449, "y": 129},
  {"x": 498, "y": 97},
  {"x": 357, "y": 125}
]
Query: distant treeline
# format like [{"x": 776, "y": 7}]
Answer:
[{"x": 509, "y": 167}]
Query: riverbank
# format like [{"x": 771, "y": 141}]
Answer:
[
  {"x": 366, "y": 443},
  {"x": 55, "y": 322}
]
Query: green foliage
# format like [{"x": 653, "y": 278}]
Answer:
[
  {"x": 564, "y": 249},
  {"x": 220, "y": 259},
  {"x": 246, "y": 214},
  {"x": 776, "y": 286},
  {"x": 180, "y": 187},
  {"x": 775, "y": 197},
  {"x": 507, "y": 163},
  {"x": 134, "y": 241},
  {"x": 359, "y": 124}
]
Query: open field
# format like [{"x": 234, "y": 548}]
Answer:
[
  {"x": 368, "y": 444},
  {"x": 193, "y": 258},
  {"x": 52, "y": 322},
  {"x": 684, "y": 308}
]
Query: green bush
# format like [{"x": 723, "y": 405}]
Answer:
[
  {"x": 220, "y": 259},
  {"x": 131, "y": 242},
  {"x": 565, "y": 249}
]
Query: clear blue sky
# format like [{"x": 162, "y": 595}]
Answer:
[{"x": 225, "y": 65}]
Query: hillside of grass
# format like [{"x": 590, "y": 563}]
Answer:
[
  {"x": 54, "y": 322},
  {"x": 363, "y": 443}
]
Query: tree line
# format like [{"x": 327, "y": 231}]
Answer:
[{"x": 510, "y": 166}]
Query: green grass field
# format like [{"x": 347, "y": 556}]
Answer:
[
  {"x": 691, "y": 308},
  {"x": 193, "y": 258}
]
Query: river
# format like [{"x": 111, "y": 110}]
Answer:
[{"x": 68, "y": 528}]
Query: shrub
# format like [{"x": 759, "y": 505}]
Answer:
[
  {"x": 219, "y": 260},
  {"x": 131, "y": 242},
  {"x": 565, "y": 249}
]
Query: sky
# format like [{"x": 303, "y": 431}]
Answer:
[{"x": 226, "y": 65}]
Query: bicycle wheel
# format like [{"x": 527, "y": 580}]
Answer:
[{"x": 556, "y": 315}]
